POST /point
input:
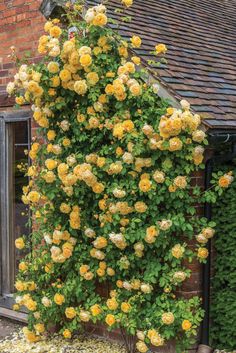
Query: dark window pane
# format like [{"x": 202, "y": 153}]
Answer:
[{"x": 20, "y": 164}]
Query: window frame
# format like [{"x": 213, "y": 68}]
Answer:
[{"x": 7, "y": 246}]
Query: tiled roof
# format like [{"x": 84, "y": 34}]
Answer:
[{"x": 201, "y": 41}]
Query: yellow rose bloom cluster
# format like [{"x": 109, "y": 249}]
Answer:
[{"x": 111, "y": 189}]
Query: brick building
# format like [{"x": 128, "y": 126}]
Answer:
[{"x": 200, "y": 37}]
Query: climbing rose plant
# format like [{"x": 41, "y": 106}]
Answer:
[{"x": 110, "y": 190}]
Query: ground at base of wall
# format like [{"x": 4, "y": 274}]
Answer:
[
  {"x": 8, "y": 327},
  {"x": 12, "y": 341}
]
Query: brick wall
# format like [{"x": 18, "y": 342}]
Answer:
[{"x": 20, "y": 25}]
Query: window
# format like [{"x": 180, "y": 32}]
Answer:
[{"x": 14, "y": 140}]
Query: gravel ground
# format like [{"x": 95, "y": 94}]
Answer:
[
  {"x": 16, "y": 343},
  {"x": 8, "y": 327},
  {"x": 219, "y": 351},
  {"x": 12, "y": 341}
]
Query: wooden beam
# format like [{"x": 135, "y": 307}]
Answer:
[{"x": 14, "y": 315}]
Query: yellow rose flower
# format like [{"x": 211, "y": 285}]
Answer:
[
  {"x": 168, "y": 318},
  {"x": 225, "y": 180},
  {"x": 23, "y": 266},
  {"x": 83, "y": 269},
  {"x": 66, "y": 142},
  {"x": 198, "y": 136},
  {"x": 70, "y": 313},
  {"x": 67, "y": 333},
  {"x": 55, "y": 81},
  {"x": 31, "y": 305},
  {"x": 186, "y": 325},
  {"x": 202, "y": 253},
  {"x": 118, "y": 130},
  {"x": 100, "y": 20},
  {"x": 85, "y": 60},
  {"x": 20, "y": 100},
  {"x": 135, "y": 89},
  {"x": 110, "y": 319},
  {"x": 19, "y": 243},
  {"x": 31, "y": 286},
  {"x": 177, "y": 251},
  {"x": 80, "y": 87},
  {"x": 97, "y": 51},
  {"x": 161, "y": 49},
  {"x": 62, "y": 169},
  {"x": 175, "y": 144},
  {"x": 59, "y": 299},
  {"x": 128, "y": 125},
  {"x": 50, "y": 164},
  {"x": 100, "y": 272},
  {"x": 127, "y": 3},
  {"x": 30, "y": 336},
  {"x": 65, "y": 75},
  {"x": 53, "y": 67},
  {"x": 16, "y": 307},
  {"x": 145, "y": 185},
  {"x": 98, "y": 188},
  {"x": 32, "y": 86},
  {"x": 95, "y": 310},
  {"x": 159, "y": 176},
  {"x": 123, "y": 51},
  {"x": 136, "y": 41},
  {"x": 109, "y": 89},
  {"x": 55, "y": 31},
  {"x": 140, "y": 207},
  {"x": 141, "y": 347},
  {"x": 101, "y": 161},
  {"x": 136, "y": 60},
  {"x": 20, "y": 286},
  {"x": 100, "y": 243},
  {"x": 110, "y": 271},
  {"x": 180, "y": 182},
  {"x": 49, "y": 177},
  {"x": 65, "y": 208},
  {"x": 39, "y": 328},
  {"x": 112, "y": 304},
  {"x": 92, "y": 78},
  {"x": 51, "y": 135},
  {"x": 47, "y": 26},
  {"x": 125, "y": 307}
]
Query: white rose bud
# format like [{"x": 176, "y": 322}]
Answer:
[
  {"x": 185, "y": 104},
  {"x": 128, "y": 158},
  {"x": 155, "y": 87},
  {"x": 46, "y": 302},
  {"x": 71, "y": 160},
  {"x": 201, "y": 239},
  {"x": 10, "y": 87},
  {"x": 89, "y": 233},
  {"x": 127, "y": 285},
  {"x": 146, "y": 288},
  {"x": 89, "y": 16},
  {"x": 147, "y": 130},
  {"x": 100, "y": 8},
  {"x": 47, "y": 238},
  {"x": 140, "y": 335},
  {"x": 65, "y": 125}
]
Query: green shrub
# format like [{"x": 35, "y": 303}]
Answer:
[{"x": 223, "y": 307}]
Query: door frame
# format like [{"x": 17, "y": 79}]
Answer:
[{"x": 7, "y": 245}]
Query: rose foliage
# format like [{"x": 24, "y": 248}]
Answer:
[{"x": 110, "y": 190}]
